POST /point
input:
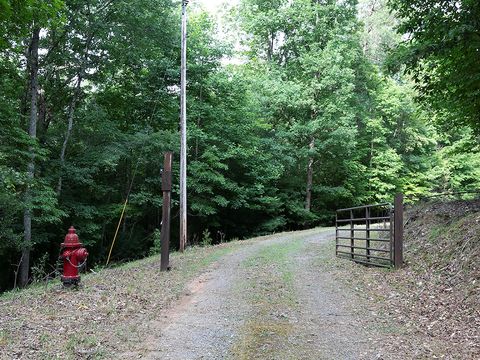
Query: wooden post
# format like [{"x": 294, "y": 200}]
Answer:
[
  {"x": 336, "y": 234},
  {"x": 167, "y": 190},
  {"x": 398, "y": 236},
  {"x": 367, "y": 232},
  {"x": 352, "y": 235},
  {"x": 392, "y": 234},
  {"x": 183, "y": 131}
]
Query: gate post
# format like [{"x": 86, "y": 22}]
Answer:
[
  {"x": 165, "y": 234},
  {"x": 398, "y": 234},
  {"x": 352, "y": 235},
  {"x": 336, "y": 233}
]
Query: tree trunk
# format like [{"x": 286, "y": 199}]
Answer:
[
  {"x": 271, "y": 42},
  {"x": 71, "y": 109},
  {"x": 197, "y": 148},
  {"x": 308, "y": 198},
  {"x": 32, "y": 131},
  {"x": 71, "y": 112}
]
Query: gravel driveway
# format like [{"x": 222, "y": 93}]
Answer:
[{"x": 274, "y": 298}]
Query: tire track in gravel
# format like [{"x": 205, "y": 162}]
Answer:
[
  {"x": 332, "y": 325},
  {"x": 272, "y": 299}
]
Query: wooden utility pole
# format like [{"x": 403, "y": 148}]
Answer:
[
  {"x": 183, "y": 130},
  {"x": 167, "y": 190}
]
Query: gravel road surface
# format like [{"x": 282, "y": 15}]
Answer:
[{"x": 274, "y": 298}]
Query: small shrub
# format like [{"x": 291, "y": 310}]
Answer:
[
  {"x": 206, "y": 238},
  {"x": 39, "y": 270},
  {"x": 157, "y": 245}
]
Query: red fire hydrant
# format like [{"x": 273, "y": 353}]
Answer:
[{"x": 74, "y": 256}]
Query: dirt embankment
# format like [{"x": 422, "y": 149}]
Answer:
[
  {"x": 435, "y": 299},
  {"x": 442, "y": 243}
]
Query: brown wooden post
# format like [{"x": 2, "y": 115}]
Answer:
[
  {"x": 391, "y": 212},
  {"x": 336, "y": 234},
  {"x": 367, "y": 232},
  {"x": 352, "y": 235},
  {"x": 167, "y": 190},
  {"x": 398, "y": 236}
]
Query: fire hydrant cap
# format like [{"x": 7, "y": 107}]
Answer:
[{"x": 71, "y": 240}]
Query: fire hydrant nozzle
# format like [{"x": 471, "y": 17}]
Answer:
[{"x": 74, "y": 256}]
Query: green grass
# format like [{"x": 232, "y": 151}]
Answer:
[
  {"x": 217, "y": 254},
  {"x": 84, "y": 346},
  {"x": 271, "y": 292},
  {"x": 5, "y": 337},
  {"x": 214, "y": 253}
]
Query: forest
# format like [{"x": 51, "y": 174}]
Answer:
[{"x": 295, "y": 108}]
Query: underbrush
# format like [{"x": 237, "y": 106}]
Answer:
[{"x": 442, "y": 241}]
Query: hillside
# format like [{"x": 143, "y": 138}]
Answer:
[
  {"x": 443, "y": 274},
  {"x": 104, "y": 316},
  {"x": 283, "y": 295},
  {"x": 434, "y": 301}
]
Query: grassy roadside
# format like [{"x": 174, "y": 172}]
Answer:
[{"x": 104, "y": 315}]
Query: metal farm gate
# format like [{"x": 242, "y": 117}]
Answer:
[{"x": 371, "y": 234}]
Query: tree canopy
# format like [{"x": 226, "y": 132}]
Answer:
[
  {"x": 442, "y": 50},
  {"x": 305, "y": 107}
]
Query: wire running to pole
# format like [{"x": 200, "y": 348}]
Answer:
[
  {"x": 123, "y": 213},
  {"x": 116, "y": 231}
]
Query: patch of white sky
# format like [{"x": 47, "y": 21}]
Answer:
[
  {"x": 217, "y": 9},
  {"x": 214, "y": 5}
]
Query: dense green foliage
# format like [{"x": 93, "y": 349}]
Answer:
[
  {"x": 309, "y": 121},
  {"x": 442, "y": 52}
]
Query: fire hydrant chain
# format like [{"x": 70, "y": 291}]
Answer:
[{"x": 76, "y": 266}]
